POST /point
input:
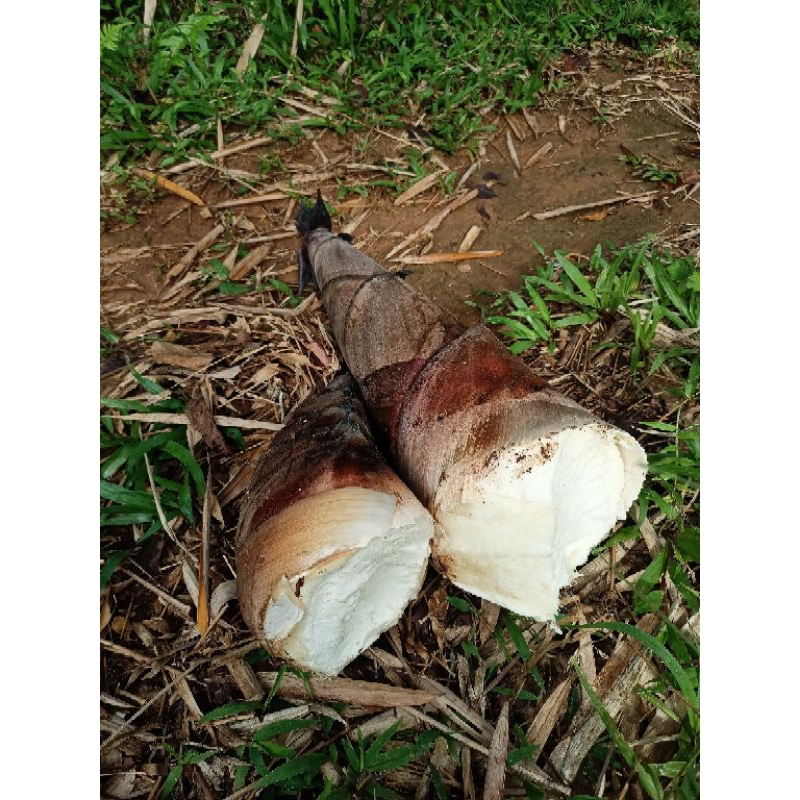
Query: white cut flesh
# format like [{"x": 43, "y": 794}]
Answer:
[
  {"x": 514, "y": 531},
  {"x": 357, "y": 593}
]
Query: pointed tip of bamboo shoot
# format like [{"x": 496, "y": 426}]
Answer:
[
  {"x": 323, "y": 616},
  {"x": 516, "y": 526}
]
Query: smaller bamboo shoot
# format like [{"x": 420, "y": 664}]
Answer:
[{"x": 331, "y": 544}]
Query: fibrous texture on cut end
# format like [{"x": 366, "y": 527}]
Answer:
[
  {"x": 331, "y": 544},
  {"x": 522, "y": 481}
]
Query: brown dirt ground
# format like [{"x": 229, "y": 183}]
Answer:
[
  {"x": 583, "y": 166},
  {"x": 156, "y": 676}
]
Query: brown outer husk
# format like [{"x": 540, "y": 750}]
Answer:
[
  {"x": 326, "y": 445},
  {"x": 446, "y": 399},
  {"x": 439, "y": 393}
]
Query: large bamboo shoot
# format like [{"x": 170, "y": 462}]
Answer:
[
  {"x": 522, "y": 481},
  {"x": 331, "y": 545}
]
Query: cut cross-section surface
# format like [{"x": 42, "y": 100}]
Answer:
[{"x": 514, "y": 531}]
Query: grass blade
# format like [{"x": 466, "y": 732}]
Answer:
[
  {"x": 652, "y": 644},
  {"x": 648, "y": 778}
]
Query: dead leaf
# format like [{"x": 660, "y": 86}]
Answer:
[
  {"x": 596, "y": 216},
  {"x": 323, "y": 357},
  {"x": 170, "y": 186},
  {"x": 265, "y": 374},
  {"x": 105, "y": 612},
  {"x": 247, "y": 680},
  {"x": 249, "y": 48},
  {"x": 496, "y": 769},
  {"x": 185, "y": 693},
  {"x": 515, "y": 126},
  {"x": 221, "y": 596},
  {"x": 417, "y": 188},
  {"x": 362, "y": 693},
  {"x": 469, "y": 238},
  {"x": 123, "y": 786},
  {"x": 490, "y": 613},
  {"x": 252, "y": 259},
  {"x": 512, "y": 151},
  {"x": 531, "y": 120},
  {"x": 202, "y": 420},
  {"x": 203, "y": 579},
  {"x": 611, "y": 201},
  {"x": 540, "y": 153},
  {"x": 434, "y": 222},
  {"x": 466, "y": 773},
  {"x": 147, "y": 17},
  {"x": 553, "y": 708},
  {"x": 185, "y": 262},
  {"x": 178, "y": 355},
  {"x": 449, "y": 258},
  {"x": 294, "y": 360}
]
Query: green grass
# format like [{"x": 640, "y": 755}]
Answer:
[
  {"x": 130, "y": 451},
  {"x": 270, "y": 763},
  {"x": 453, "y": 59},
  {"x": 650, "y": 170},
  {"x": 611, "y": 286},
  {"x": 607, "y": 287},
  {"x": 640, "y": 282}
]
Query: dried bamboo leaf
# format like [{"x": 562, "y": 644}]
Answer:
[
  {"x": 627, "y": 668},
  {"x": 512, "y": 151},
  {"x": 434, "y": 222},
  {"x": 469, "y": 238},
  {"x": 147, "y": 18},
  {"x": 190, "y": 580},
  {"x": 182, "y": 265},
  {"x": 449, "y": 258},
  {"x": 241, "y": 147},
  {"x": 249, "y": 49},
  {"x": 221, "y": 596},
  {"x": 467, "y": 175},
  {"x": 246, "y": 679},
  {"x": 464, "y": 716},
  {"x": 185, "y": 693},
  {"x": 529, "y": 771},
  {"x": 170, "y": 186},
  {"x": 516, "y": 127},
  {"x": 490, "y": 613},
  {"x": 343, "y": 690},
  {"x": 219, "y": 419},
  {"x": 496, "y": 769},
  {"x": 382, "y": 722},
  {"x": 530, "y": 119},
  {"x": 417, "y": 188},
  {"x": 539, "y": 154},
  {"x": 252, "y": 200},
  {"x": 466, "y": 774},
  {"x": 203, "y": 578},
  {"x": 552, "y": 710},
  {"x": 178, "y": 355},
  {"x": 624, "y": 198},
  {"x": 251, "y": 260}
]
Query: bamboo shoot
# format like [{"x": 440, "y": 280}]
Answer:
[
  {"x": 331, "y": 545},
  {"x": 522, "y": 481}
]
